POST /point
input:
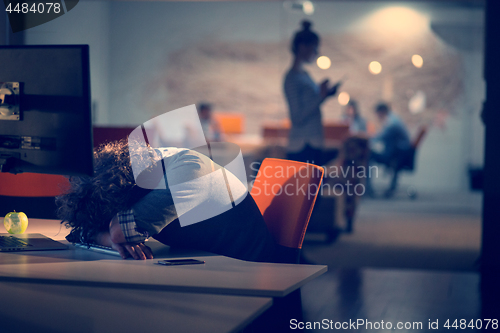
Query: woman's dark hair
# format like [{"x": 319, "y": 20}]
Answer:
[
  {"x": 305, "y": 36},
  {"x": 91, "y": 202}
]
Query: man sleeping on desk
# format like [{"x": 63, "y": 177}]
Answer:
[{"x": 182, "y": 201}]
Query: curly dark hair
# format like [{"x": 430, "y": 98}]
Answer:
[{"x": 91, "y": 202}]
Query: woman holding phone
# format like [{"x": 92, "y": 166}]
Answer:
[{"x": 304, "y": 97}]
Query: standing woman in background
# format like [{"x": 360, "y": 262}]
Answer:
[{"x": 304, "y": 97}]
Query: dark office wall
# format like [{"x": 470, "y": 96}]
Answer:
[
  {"x": 491, "y": 117},
  {"x": 3, "y": 28},
  {"x": 7, "y": 37},
  {"x": 491, "y": 209}
]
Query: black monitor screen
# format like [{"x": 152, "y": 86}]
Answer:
[{"x": 45, "y": 116}]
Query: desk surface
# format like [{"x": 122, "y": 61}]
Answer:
[
  {"x": 219, "y": 275},
  {"x": 60, "y": 308}
]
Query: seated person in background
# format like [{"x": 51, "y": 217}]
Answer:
[
  {"x": 395, "y": 139},
  {"x": 357, "y": 124},
  {"x": 210, "y": 125},
  {"x": 110, "y": 209},
  {"x": 394, "y": 136}
]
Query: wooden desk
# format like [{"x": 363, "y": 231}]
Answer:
[
  {"x": 219, "y": 275},
  {"x": 29, "y": 307},
  {"x": 48, "y": 291}
]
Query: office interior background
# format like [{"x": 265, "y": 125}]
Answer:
[{"x": 148, "y": 58}]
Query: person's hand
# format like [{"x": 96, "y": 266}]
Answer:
[
  {"x": 323, "y": 88},
  {"x": 118, "y": 242},
  {"x": 333, "y": 90},
  {"x": 327, "y": 91},
  {"x": 137, "y": 251}
]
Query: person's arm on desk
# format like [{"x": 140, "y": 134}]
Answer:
[
  {"x": 123, "y": 231},
  {"x": 117, "y": 240}
]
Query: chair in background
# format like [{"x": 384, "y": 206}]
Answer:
[
  {"x": 285, "y": 207},
  {"x": 405, "y": 162},
  {"x": 230, "y": 123}
]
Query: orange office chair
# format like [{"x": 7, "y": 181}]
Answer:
[
  {"x": 230, "y": 123},
  {"x": 285, "y": 192}
]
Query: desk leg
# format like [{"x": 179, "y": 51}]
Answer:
[{"x": 278, "y": 317}]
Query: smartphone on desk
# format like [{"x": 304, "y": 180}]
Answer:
[{"x": 175, "y": 262}]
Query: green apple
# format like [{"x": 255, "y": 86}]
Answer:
[{"x": 15, "y": 223}]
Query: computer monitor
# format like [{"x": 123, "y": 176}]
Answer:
[{"x": 45, "y": 113}]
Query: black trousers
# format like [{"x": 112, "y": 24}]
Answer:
[
  {"x": 239, "y": 233},
  {"x": 313, "y": 155}
]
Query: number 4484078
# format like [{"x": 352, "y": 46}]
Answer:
[
  {"x": 39, "y": 8},
  {"x": 474, "y": 324}
]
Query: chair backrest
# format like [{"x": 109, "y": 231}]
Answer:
[
  {"x": 230, "y": 123},
  {"x": 420, "y": 136},
  {"x": 285, "y": 192},
  {"x": 407, "y": 159}
]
